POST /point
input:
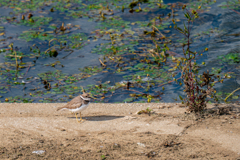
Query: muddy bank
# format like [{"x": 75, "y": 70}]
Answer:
[{"x": 115, "y": 131}]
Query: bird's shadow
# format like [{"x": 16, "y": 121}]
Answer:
[{"x": 99, "y": 118}]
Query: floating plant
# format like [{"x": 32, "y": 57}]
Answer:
[{"x": 230, "y": 58}]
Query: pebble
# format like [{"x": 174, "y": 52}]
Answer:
[
  {"x": 38, "y": 152},
  {"x": 224, "y": 121},
  {"x": 41, "y": 141},
  {"x": 141, "y": 144}
]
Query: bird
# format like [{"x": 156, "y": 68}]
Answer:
[{"x": 77, "y": 104}]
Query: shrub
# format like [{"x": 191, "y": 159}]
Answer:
[{"x": 198, "y": 87}]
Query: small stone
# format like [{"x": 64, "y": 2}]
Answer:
[
  {"x": 141, "y": 144},
  {"x": 20, "y": 154},
  {"x": 38, "y": 152},
  {"x": 224, "y": 121},
  {"x": 41, "y": 141},
  {"x": 66, "y": 144},
  {"x": 162, "y": 107},
  {"x": 15, "y": 156}
]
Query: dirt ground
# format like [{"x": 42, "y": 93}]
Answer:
[{"x": 116, "y": 131}]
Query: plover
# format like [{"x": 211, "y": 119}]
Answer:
[{"x": 77, "y": 104}]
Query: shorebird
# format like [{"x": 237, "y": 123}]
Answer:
[{"x": 77, "y": 104}]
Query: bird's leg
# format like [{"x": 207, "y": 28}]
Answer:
[
  {"x": 77, "y": 118},
  {"x": 81, "y": 118}
]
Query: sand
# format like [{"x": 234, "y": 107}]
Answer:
[{"x": 116, "y": 131}]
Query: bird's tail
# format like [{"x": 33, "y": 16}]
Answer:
[{"x": 60, "y": 108}]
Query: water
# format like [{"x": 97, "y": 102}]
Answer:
[{"x": 57, "y": 79}]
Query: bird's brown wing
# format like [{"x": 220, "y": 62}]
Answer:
[{"x": 74, "y": 103}]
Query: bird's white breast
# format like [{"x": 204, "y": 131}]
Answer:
[{"x": 80, "y": 109}]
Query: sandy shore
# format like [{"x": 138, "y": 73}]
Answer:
[{"x": 116, "y": 131}]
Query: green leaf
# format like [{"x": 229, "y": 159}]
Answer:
[
  {"x": 187, "y": 16},
  {"x": 185, "y": 28},
  {"x": 235, "y": 97},
  {"x": 180, "y": 29},
  {"x": 180, "y": 97}
]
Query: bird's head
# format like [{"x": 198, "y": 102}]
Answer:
[{"x": 86, "y": 96}]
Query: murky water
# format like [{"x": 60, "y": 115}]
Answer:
[{"x": 104, "y": 63}]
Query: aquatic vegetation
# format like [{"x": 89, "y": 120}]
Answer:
[
  {"x": 233, "y": 4},
  {"x": 201, "y": 6},
  {"x": 18, "y": 99},
  {"x": 230, "y": 58},
  {"x": 133, "y": 58},
  {"x": 114, "y": 22},
  {"x": 36, "y": 21},
  {"x": 31, "y": 35},
  {"x": 77, "y": 14},
  {"x": 91, "y": 70},
  {"x": 49, "y": 75},
  {"x": 47, "y": 100},
  {"x": 77, "y": 40}
]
